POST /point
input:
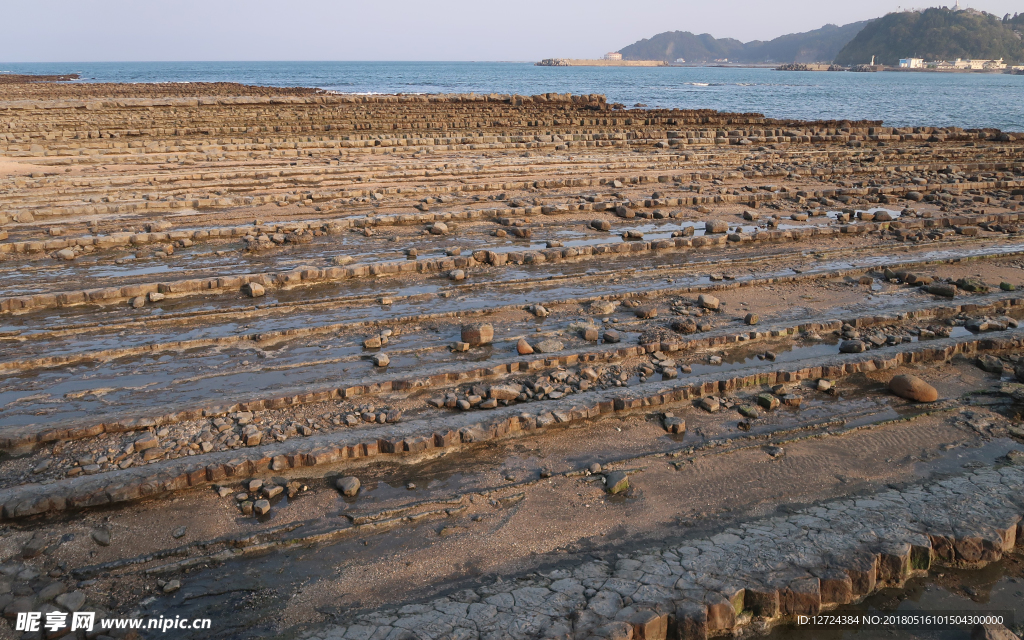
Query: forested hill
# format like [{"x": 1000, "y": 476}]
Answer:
[
  {"x": 936, "y": 34},
  {"x": 820, "y": 45}
]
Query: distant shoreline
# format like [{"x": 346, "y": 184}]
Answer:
[
  {"x": 568, "y": 62},
  {"x": 581, "y": 62},
  {"x": 20, "y": 78}
]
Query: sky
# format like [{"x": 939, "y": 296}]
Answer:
[{"x": 449, "y": 30}]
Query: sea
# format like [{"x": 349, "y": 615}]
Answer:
[{"x": 967, "y": 100}]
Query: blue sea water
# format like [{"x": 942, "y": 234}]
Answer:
[{"x": 899, "y": 99}]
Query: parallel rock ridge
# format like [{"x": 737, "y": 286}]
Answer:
[
  {"x": 240, "y": 319},
  {"x": 760, "y": 572},
  {"x": 126, "y": 486}
]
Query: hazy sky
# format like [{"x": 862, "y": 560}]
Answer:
[{"x": 113, "y": 30}]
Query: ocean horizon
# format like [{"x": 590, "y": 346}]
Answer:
[{"x": 897, "y": 99}]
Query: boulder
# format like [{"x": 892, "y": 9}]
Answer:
[
  {"x": 602, "y": 307},
  {"x": 708, "y": 301},
  {"x": 990, "y": 363},
  {"x": 476, "y": 335},
  {"x": 674, "y": 425},
  {"x": 716, "y": 226},
  {"x": 941, "y": 289},
  {"x": 648, "y": 625},
  {"x": 348, "y": 486},
  {"x": 147, "y": 441},
  {"x": 616, "y": 482},
  {"x": 523, "y": 347},
  {"x": 71, "y": 601},
  {"x": 254, "y": 290},
  {"x": 504, "y": 392},
  {"x": 381, "y": 360},
  {"x": 972, "y": 285},
  {"x": 684, "y": 325},
  {"x": 913, "y": 388},
  {"x": 853, "y": 346},
  {"x": 549, "y": 346},
  {"x": 751, "y": 319},
  {"x": 611, "y": 336},
  {"x": 710, "y": 404}
]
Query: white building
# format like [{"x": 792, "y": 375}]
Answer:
[
  {"x": 979, "y": 64},
  {"x": 970, "y": 65},
  {"x": 613, "y": 56},
  {"x": 911, "y": 63}
]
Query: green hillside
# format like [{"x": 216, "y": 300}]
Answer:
[
  {"x": 820, "y": 45},
  {"x": 936, "y": 34}
]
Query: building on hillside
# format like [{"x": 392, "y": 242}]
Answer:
[
  {"x": 969, "y": 65},
  {"x": 613, "y": 56},
  {"x": 911, "y": 63}
]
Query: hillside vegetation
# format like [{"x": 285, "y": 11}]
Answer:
[
  {"x": 820, "y": 45},
  {"x": 936, "y": 34}
]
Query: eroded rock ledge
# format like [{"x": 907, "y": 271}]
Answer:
[{"x": 747, "y": 577}]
